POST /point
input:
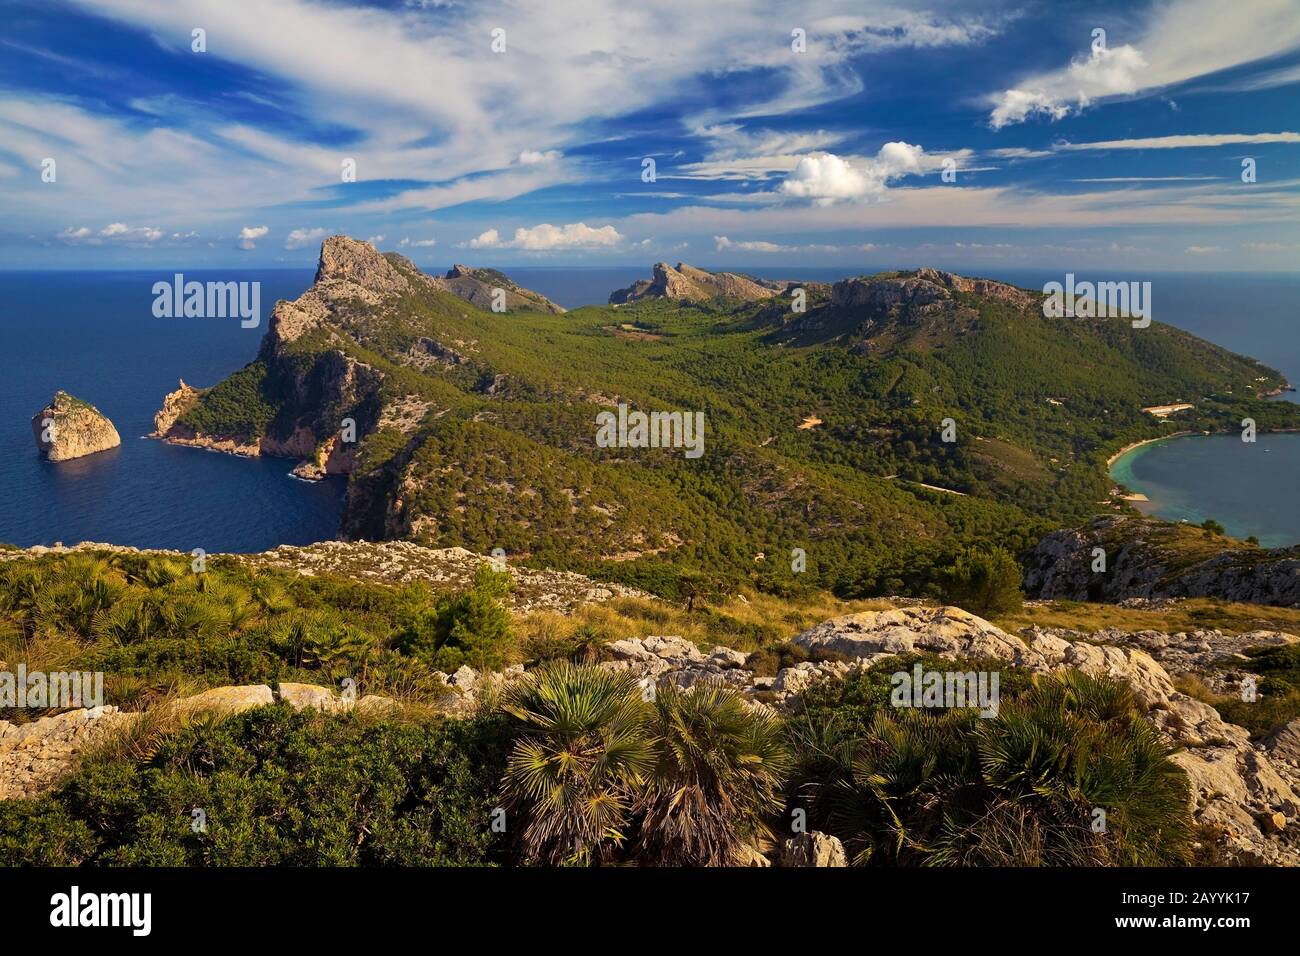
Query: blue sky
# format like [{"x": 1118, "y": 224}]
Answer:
[{"x": 1065, "y": 148}]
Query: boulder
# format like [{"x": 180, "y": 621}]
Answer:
[{"x": 813, "y": 849}]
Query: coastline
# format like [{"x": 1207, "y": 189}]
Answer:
[{"x": 1110, "y": 462}]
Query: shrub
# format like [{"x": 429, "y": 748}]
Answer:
[
  {"x": 719, "y": 772},
  {"x": 947, "y": 787},
  {"x": 470, "y": 627},
  {"x": 1277, "y": 697},
  {"x": 277, "y": 788},
  {"x": 983, "y": 582}
]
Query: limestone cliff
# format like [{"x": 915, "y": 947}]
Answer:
[{"x": 70, "y": 428}]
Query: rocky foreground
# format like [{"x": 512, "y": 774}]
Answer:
[
  {"x": 69, "y": 428},
  {"x": 1244, "y": 794}
]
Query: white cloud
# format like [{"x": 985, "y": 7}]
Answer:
[
  {"x": 531, "y": 157},
  {"x": 375, "y": 240},
  {"x": 382, "y": 71},
  {"x": 722, "y": 243},
  {"x": 546, "y": 237},
  {"x": 249, "y": 235},
  {"x": 117, "y": 233},
  {"x": 1107, "y": 71},
  {"x": 1179, "y": 41},
  {"x": 827, "y": 179},
  {"x": 418, "y": 243},
  {"x": 305, "y": 237},
  {"x": 1202, "y": 250},
  {"x": 1192, "y": 140}
]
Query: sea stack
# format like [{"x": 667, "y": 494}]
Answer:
[{"x": 70, "y": 428}]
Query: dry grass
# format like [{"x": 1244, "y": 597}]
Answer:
[
  {"x": 1186, "y": 615},
  {"x": 757, "y": 620}
]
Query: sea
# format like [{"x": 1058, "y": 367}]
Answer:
[{"x": 93, "y": 333}]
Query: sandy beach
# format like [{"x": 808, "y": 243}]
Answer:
[{"x": 1110, "y": 462}]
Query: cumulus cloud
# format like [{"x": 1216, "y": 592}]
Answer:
[
  {"x": 545, "y": 237},
  {"x": 114, "y": 232},
  {"x": 249, "y": 235},
  {"x": 827, "y": 179},
  {"x": 305, "y": 237},
  {"x": 1178, "y": 40},
  {"x": 486, "y": 240},
  {"x": 722, "y": 243},
  {"x": 417, "y": 243},
  {"x": 532, "y": 157}
]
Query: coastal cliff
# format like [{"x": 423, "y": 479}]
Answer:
[{"x": 69, "y": 428}]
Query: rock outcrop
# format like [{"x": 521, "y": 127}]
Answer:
[
  {"x": 1244, "y": 796},
  {"x": 175, "y": 404},
  {"x": 326, "y": 400},
  {"x": 478, "y": 287},
  {"x": 813, "y": 849},
  {"x": 890, "y": 290},
  {"x": 1147, "y": 558},
  {"x": 70, "y": 428},
  {"x": 695, "y": 285}
]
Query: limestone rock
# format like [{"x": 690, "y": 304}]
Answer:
[
  {"x": 813, "y": 849},
  {"x": 312, "y": 696},
  {"x": 69, "y": 428},
  {"x": 230, "y": 700},
  {"x": 949, "y": 631},
  {"x": 175, "y": 404},
  {"x": 33, "y": 756}
]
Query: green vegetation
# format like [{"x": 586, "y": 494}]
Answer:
[
  {"x": 589, "y": 772},
  {"x": 157, "y": 628},
  {"x": 983, "y": 582},
  {"x": 277, "y": 788},
  {"x": 241, "y": 406},
  {"x": 518, "y": 468},
  {"x": 1277, "y": 693},
  {"x": 472, "y": 627},
  {"x": 944, "y": 788}
]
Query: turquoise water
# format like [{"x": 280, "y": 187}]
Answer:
[{"x": 1248, "y": 488}]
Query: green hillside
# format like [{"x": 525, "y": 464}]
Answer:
[{"x": 479, "y": 429}]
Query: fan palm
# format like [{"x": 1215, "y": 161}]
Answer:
[
  {"x": 573, "y": 773},
  {"x": 719, "y": 773}
]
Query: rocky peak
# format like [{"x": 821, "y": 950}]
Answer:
[
  {"x": 349, "y": 260},
  {"x": 685, "y": 282},
  {"x": 69, "y": 428},
  {"x": 920, "y": 288}
]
